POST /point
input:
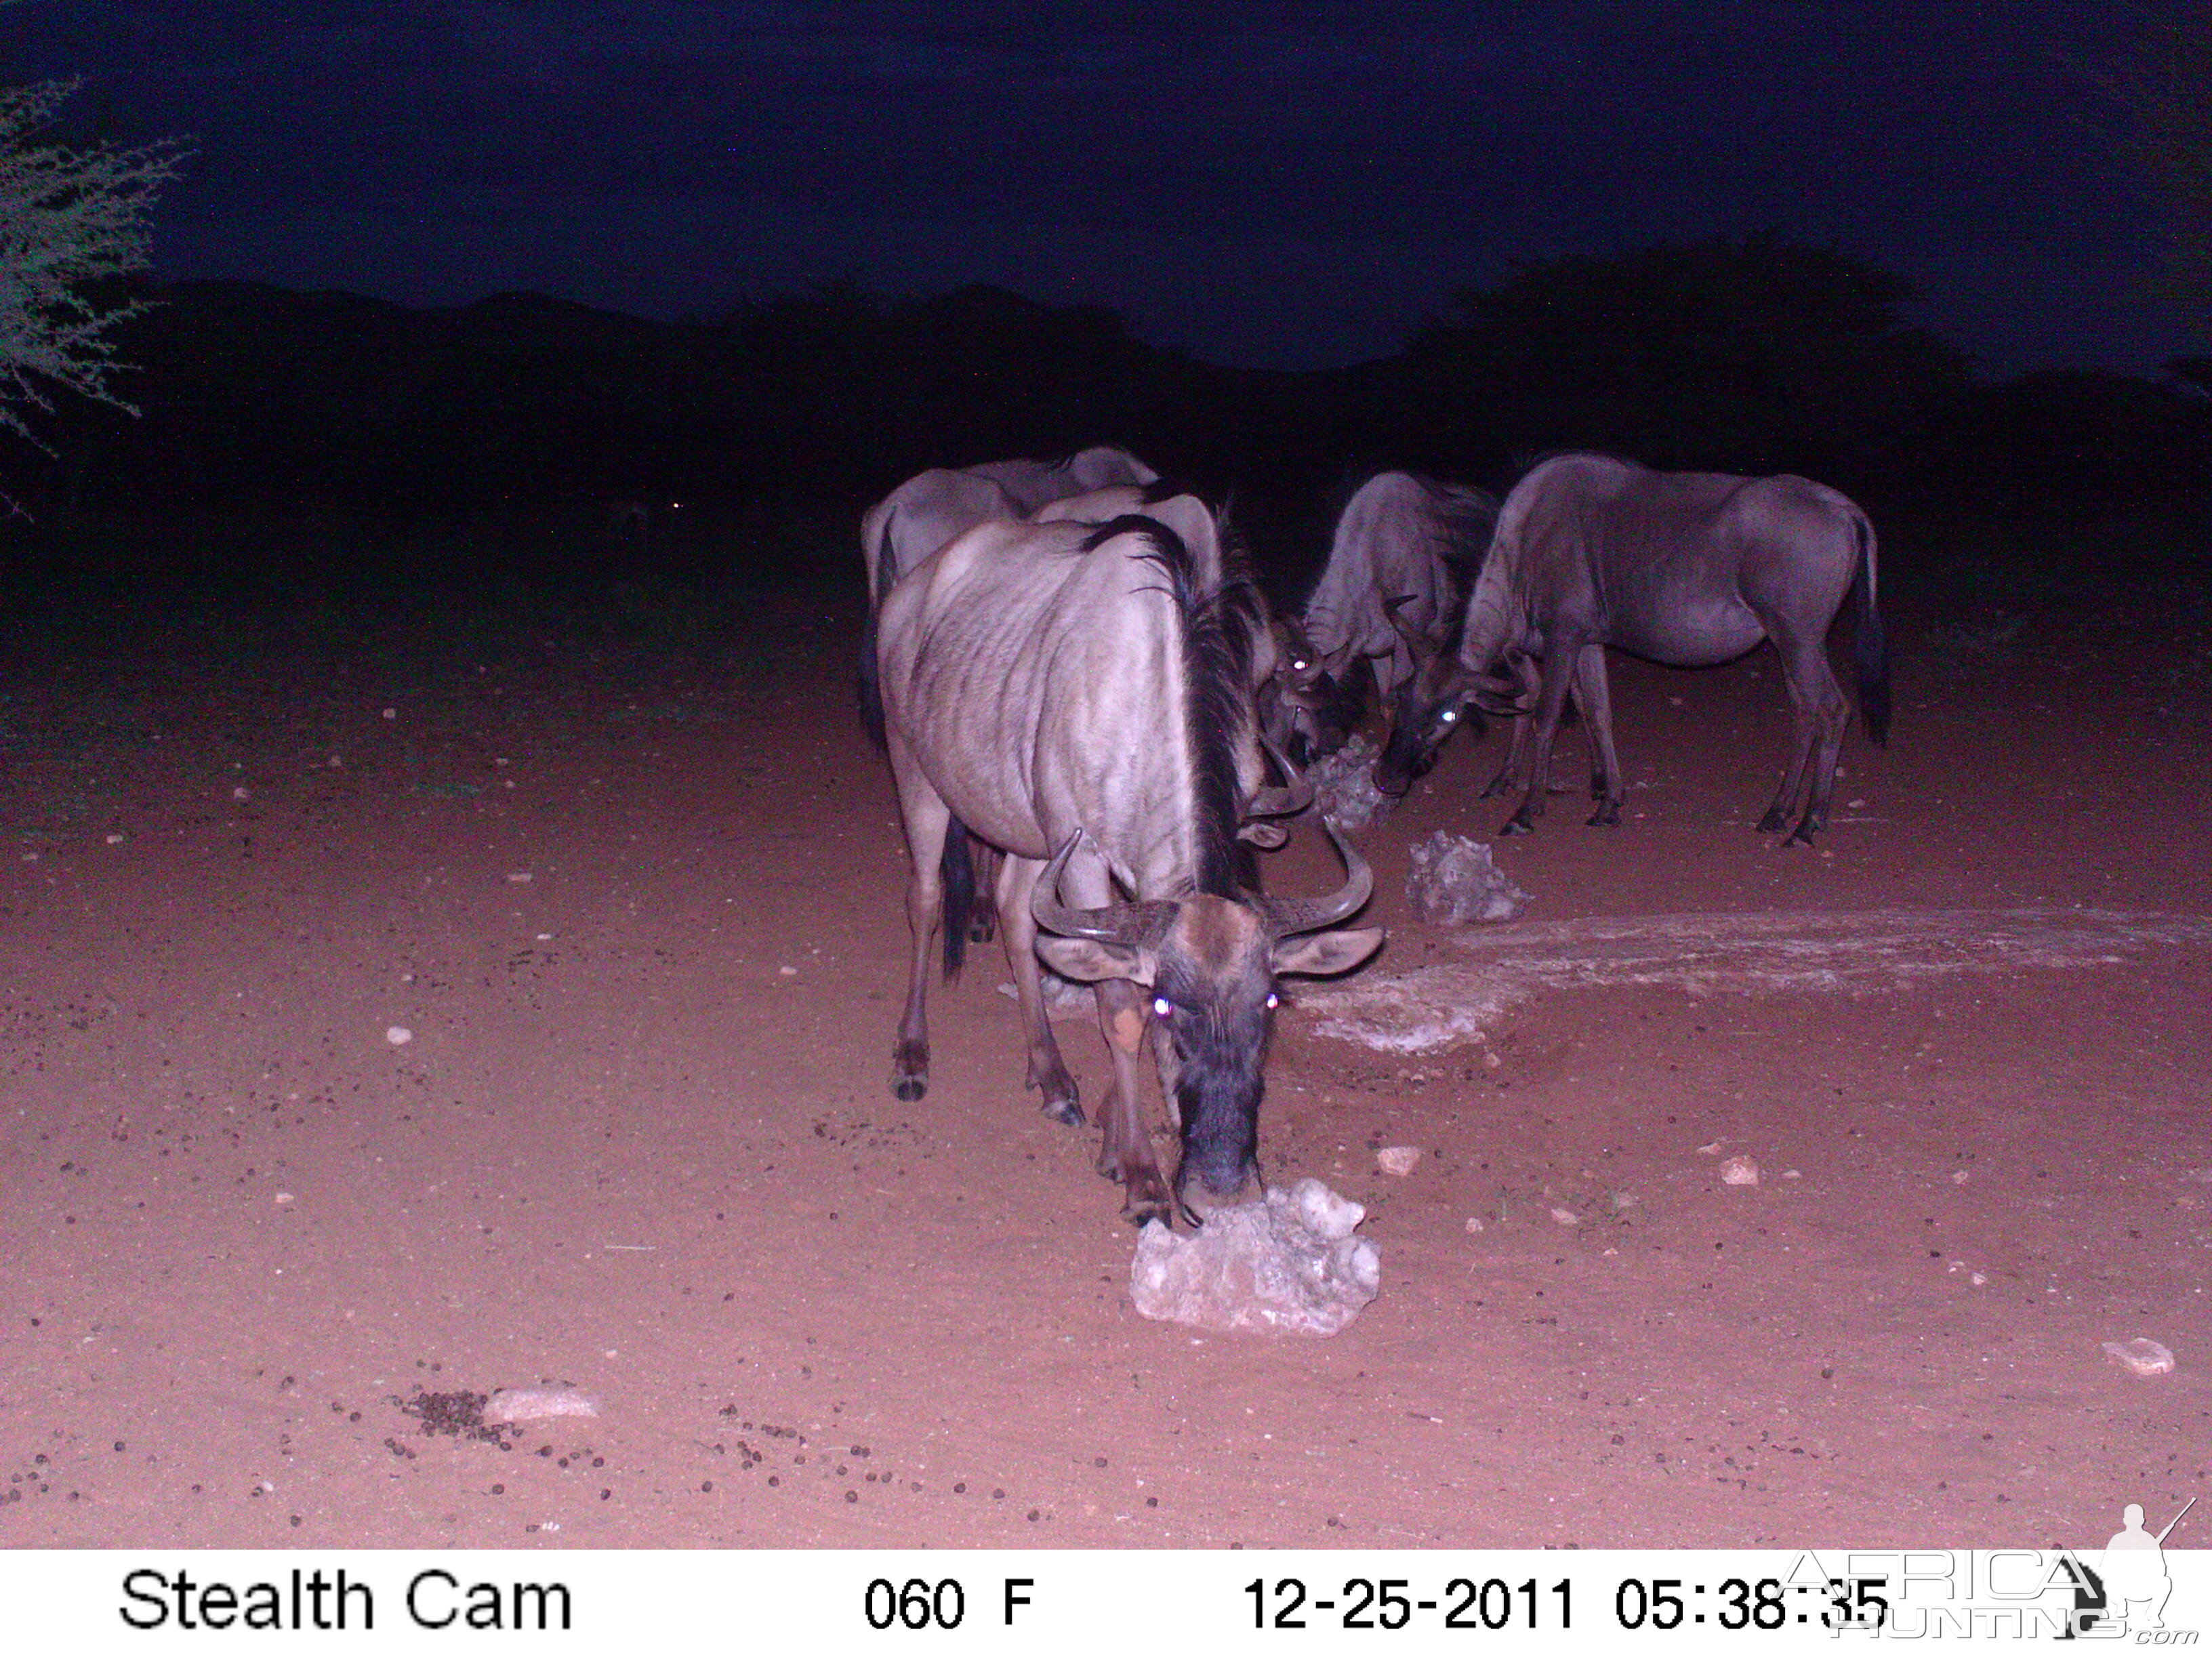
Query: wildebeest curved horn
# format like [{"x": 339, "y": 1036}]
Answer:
[
  {"x": 1311, "y": 916},
  {"x": 1499, "y": 694},
  {"x": 1390, "y": 608},
  {"x": 1140, "y": 925},
  {"x": 1294, "y": 797}
]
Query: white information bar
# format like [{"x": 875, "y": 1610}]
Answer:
[{"x": 1033, "y": 1602}]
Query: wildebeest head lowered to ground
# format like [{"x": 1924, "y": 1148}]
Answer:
[
  {"x": 1686, "y": 568},
  {"x": 1401, "y": 561},
  {"x": 1079, "y": 696}
]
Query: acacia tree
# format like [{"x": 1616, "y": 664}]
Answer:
[{"x": 72, "y": 219}]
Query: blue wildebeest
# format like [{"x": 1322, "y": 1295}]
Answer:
[
  {"x": 929, "y": 509},
  {"x": 1077, "y": 696},
  {"x": 1686, "y": 568},
  {"x": 1404, "y": 553}
]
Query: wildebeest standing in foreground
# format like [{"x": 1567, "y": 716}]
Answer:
[
  {"x": 1404, "y": 553},
  {"x": 1686, "y": 568},
  {"x": 1078, "y": 697},
  {"x": 930, "y": 508}
]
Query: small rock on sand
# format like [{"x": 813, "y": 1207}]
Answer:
[
  {"x": 1740, "y": 1171},
  {"x": 522, "y": 1405},
  {"x": 1344, "y": 786},
  {"x": 398, "y": 1035},
  {"x": 1455, "y": 880},
  {"x": 1398, "y": 1160},
  {"x": 2143, "y": 1356}
]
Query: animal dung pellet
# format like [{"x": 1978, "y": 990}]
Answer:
[
  {"x": 524, "y": 1405},
  {"x": 1344, "y": 786},
  {"x": 1289, "y": 1261},
  {"x": 1398, "y": 1160},
  {"x": 1455, "y": 880},
  {"x": 1739, "y": 1171},
  {"x": 398, "y": 1035},
  {"x": 2143, "y": 1356}
]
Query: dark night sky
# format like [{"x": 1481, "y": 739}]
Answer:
[{"x": 1283, "y": 183}]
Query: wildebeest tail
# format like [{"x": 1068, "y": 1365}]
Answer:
[
  {"x": 1870, "y": 648},
  {"x": 871, "y": 681},
  {"x": 956, "y": 865},
  {"x": 1468, "y": 518}
]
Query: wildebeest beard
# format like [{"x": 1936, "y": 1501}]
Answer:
[{"x": 1217, "y": 1048}]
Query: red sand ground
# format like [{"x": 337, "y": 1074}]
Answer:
[{"x": 641, "y": 912}]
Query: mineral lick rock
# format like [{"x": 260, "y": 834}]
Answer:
[
  {"x": 1344, "y": 786},
  {"x": 1286, "y": 1262},
  {"x": 1454, "y": 879}
]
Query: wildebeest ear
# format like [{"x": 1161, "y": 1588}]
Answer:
[
  {"x": 1325, "y": 953},
  {"x": 1092, "y": 960},
  {"x": 1269, "y": 835}
]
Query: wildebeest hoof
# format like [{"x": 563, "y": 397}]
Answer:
[
  {"x": 910, "y": 1069},
  {"x": 1803, "y": 838},
  {"x": 1069, "y": 1111},
  {"x": 1148, "y": 1204},
  {"x": 1518, "y": 824},
  {"x": 983, "y": 929},
  {"x": 1773, "y": 823},
  {"x": 1607, "y": 816},
  {"x": 1498, "y": 786}
]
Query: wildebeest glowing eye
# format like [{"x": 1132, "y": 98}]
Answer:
[
  {"x": 1298, "y": 662},
  {"x": 1274, "y": 1001},
  {"x": 1448, "y": 716},
  {"x": 1163, "y": 1007}
]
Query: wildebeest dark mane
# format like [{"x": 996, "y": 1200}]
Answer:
[{"x": 1218, "y": 627}]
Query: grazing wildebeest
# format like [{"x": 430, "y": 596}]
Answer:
[
  {"x": 1405, "y": 551},
  {"x": 1686, "y": 568},
  {"x": 1077, "y": 696}
]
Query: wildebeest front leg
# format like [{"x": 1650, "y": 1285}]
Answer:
[
  {"x": 1125, "y": 1151},
  {"x": 1593, "y": 695},
  {"x": 1515, "y": 766},
  {"x": 1017, "y": 879},
  {"x": 1551, "y": 702}
]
